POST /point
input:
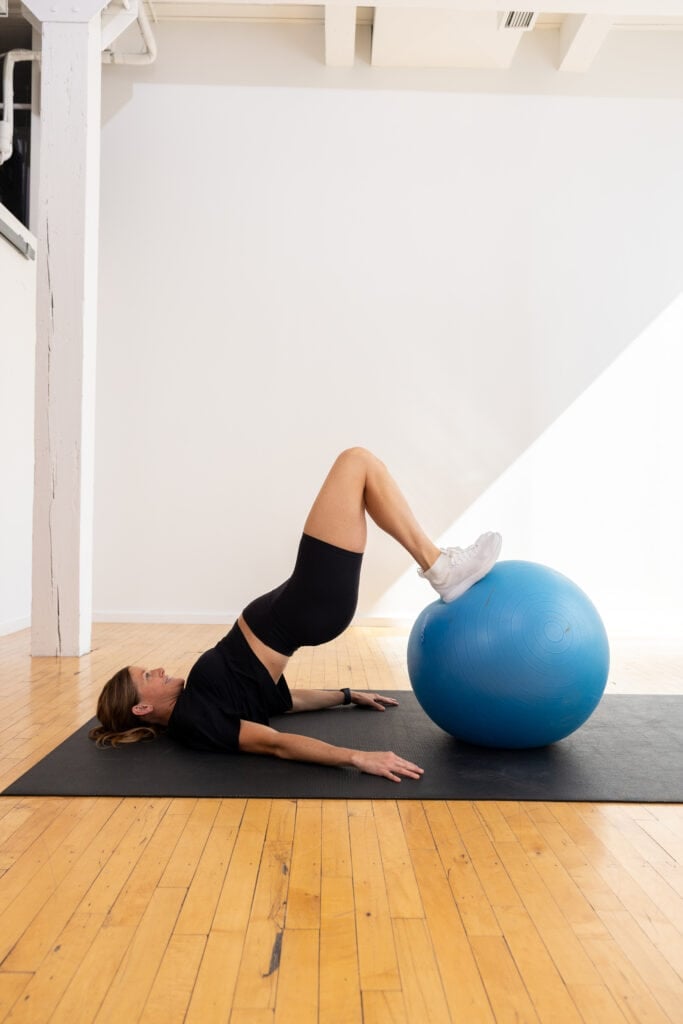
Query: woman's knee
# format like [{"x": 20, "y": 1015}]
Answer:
[{"x": 357, "y": 455}]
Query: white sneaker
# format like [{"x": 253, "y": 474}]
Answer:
[{"x": 456, "y": 569}]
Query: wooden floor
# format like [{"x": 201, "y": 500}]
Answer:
[{"x": 254, "y": 911}]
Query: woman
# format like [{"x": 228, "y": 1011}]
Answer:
[{"x": 234, "y": 688}]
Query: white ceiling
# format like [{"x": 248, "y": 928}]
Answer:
[{"x": 459, "y": 34}]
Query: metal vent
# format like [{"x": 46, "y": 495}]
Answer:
[{"x": 521, "y": 20}]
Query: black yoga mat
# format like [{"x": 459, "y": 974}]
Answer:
[{"x": 630, "y": 750}]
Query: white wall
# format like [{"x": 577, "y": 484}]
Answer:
[
  {"x": 17, "y": 353},
  {"x": 433, "y": 264}
]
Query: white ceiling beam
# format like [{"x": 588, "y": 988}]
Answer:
[
  {"x": 581, "y": 37},
  {"x": 440, "y": 38},
  {"x": 611, "y": 8},
  {"x": 116, "y": 19},
  {"x": 340, "y": 36}
]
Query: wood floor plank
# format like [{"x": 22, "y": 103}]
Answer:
[
  {"x": 629, "y": 990},
  {"x": 251, "y": 1017},
  {"x": 506, "y": 990},
  {"x": 596, "y": 1004},
  {"x": 402, "y": 890},
  {"x": 200, "y": 904},
  {"x": 376, "y": 949},
  {"x": 634, "y": 884},
  {"x": 131, "y": 902},
  {"x": 48, "y": 984},
  {"x": 384, "y": 1008},
  {"x": 303, "y": 901},
  {"x": 537, "y": 841},
  {"x": 63, "y": 818},
  {"x": 212, "y": 995},
  {"x": 171, "y": 991},
  {"x": 40, "y": 815},
  {"x": 258, "y": 972},
  {"x": 475, "y": 910},
  {"x": 130, "y": 988},
  {"x": 463, "y": 987},
  {"x": 297, "y": 987},
  {"x": 12, "y": 987},
  {"x": 415, "y": 825},
  {"x": 336, "y": 844},
  {"x": 87, "y": 989},
  {"x": 662, "y": 980},
  {"x": 234, "y": 903},
  {"x": 40, "y": 909},
  {"x": 420, "y": 979},
  {"x": 183, "y": 863},
  {"x": 561, "y": 941},
  {"x": 339, "y": 973},
  {"x": 542, "y": 980}
]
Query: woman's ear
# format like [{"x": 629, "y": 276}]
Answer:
[{"x": 142, "y": 709}]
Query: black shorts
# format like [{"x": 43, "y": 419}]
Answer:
[{"x": 314, "y": 605}]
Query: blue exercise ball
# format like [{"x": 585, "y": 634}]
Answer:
[{"x": 520, "y": 660}]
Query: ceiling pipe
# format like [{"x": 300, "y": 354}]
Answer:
[
  {"x": 108, "y": 57},
  {"x": 7, "y": 122}
]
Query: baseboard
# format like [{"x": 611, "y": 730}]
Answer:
[
  {"x": 620, "y": 624},
  {"x": 179, "y": 618},
  {"x": 211, "y": 618}
]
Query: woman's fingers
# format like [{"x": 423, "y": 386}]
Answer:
[
  {"x": 388, "y": 764},
  {"x": 380, "y": 699},
  {"x": 373, "y": 700}
]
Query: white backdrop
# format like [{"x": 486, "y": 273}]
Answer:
[{"x": 436, "y": 265}]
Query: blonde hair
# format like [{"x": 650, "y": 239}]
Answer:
[{"x": 114, "y": 710}]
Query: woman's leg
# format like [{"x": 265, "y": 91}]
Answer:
[{"x": 358, "y": 483}]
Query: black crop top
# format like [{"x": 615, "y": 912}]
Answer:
[{"x": 226, "y": 684}]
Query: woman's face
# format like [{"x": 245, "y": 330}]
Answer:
[{"x": 154, "y": 687}]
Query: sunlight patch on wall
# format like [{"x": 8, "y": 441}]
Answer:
[{"x": 599, "y": 496}]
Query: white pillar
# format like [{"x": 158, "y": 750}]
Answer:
[{"x": 67, "y": 229}]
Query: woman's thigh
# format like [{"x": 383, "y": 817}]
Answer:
[{"x": 338, "y": 513}]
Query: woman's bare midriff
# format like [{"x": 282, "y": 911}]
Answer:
[{"x": 273, "y": 660}]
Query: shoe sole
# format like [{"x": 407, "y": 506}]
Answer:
[{"x": 483, "y": 570}]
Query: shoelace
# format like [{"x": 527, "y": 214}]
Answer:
[{"x": 457, "y": 555}]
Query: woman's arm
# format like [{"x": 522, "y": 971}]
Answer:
[
  {"x": 261, "y": 739},
  {"x": 314, "y": 700}
]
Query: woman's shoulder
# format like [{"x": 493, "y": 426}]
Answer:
[
  {"x": 198, "y": 721},
  {"x": 208, "y": 669}
]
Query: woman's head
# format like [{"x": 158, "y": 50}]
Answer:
[
  {"x": 120, "y": 712},
  {"x": 133, "y": 704}
]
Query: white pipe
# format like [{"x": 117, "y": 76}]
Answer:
[
  {"x": 7, "y": 122},
  {"x": 108, "y": 57},
  {"x": 150, "y": 54}
]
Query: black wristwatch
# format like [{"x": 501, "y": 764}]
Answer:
[{"x": 347, "y": 694}]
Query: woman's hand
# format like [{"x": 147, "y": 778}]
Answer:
[
  {"x": 377, "y": 701},
  {"x": 387, "y": 764}
]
